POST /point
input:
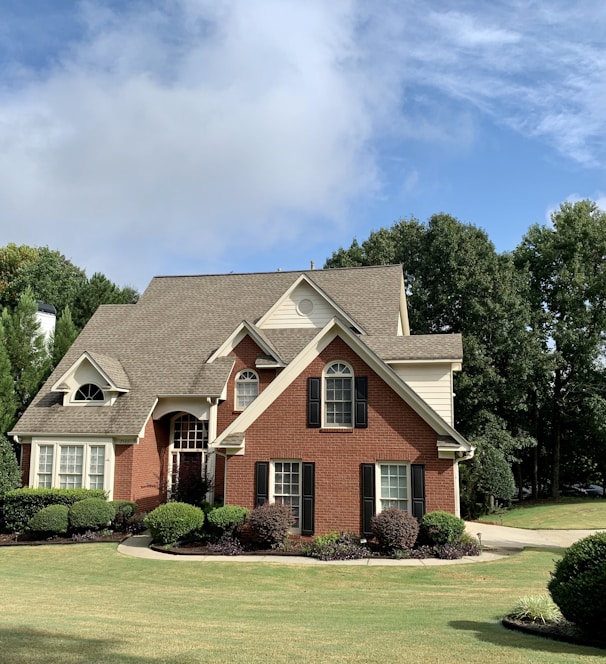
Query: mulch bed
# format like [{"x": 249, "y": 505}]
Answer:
[
  {"x": 29, "y": 539},
  {"x": 566, "y": 632}
]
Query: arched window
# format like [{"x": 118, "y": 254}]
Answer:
[
  {"x": 89, "y": 392},
  {"x": 247, "y": 388},
  {"x": 338, "y": 395}
]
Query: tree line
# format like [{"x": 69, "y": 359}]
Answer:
[
  {"x": 29, "y": 275},
  {"x": 532, "y": 392}
]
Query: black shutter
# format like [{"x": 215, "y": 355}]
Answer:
[
  {"x": 361, "y": 405},
  {"x": 261, "y": 483},
  {"x": 307, "y": 511},
  {"x": 313, "y": 402},
  {"x": 418, "y": 489},
  {"x": 368, "y": 497}
]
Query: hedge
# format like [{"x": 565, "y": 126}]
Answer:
[
  {"x": 91, "y": 514},
  {"x": 51, "y": 520},
  {"x": 20, "y": 505}
]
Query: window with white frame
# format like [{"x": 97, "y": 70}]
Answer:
[
  {"x": 393, "y": 482},
  {"x": 286, "y": 487},
  {"x": 338, "y": 395},
  {"x": 89, "y": 392},
  {"x": 72, "y": 466},
  {"x": 247, "y": 388}
]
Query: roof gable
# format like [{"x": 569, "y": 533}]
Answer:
[
  {"x": 304, "y": 305},
  {"x": 102, "y": 370},
  {"x": 236, "y": 431}
]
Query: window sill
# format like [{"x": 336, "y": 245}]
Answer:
[{"x": 337, "y": 430}]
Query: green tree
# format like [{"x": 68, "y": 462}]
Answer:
[
  {"x": 96, "y": 291},
  {"x": 26, "y": 349},
  {"x": 63, "y": 337},
  {"x": 50, "y": 276},
  {"x": 8, "y": 400},
  {"x": 565, "y": 268},
  {"x": 10, "y": 475},
  {"x": 12, "y": 257}
]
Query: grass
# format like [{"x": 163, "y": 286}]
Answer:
[
  {"x": 87, "y": 603},
  {"x": 561, "y": 514}
]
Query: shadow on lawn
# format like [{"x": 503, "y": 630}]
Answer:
[
  {"x": 496, "y": 634},
  {"x": 39, "y": 646}
]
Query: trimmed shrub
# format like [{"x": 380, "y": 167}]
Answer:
[
  {"x": 51, "y": 520},
  {"x": 125, "y": 511},
  {"x": 578, "y": 584},
  {"x": 226, "y": 546},
  {"x": 91, "y": 514},
  {"x": 337, "y": 546},
  {"x": 395, "y": 529},
  {"x": 441, "y": 528},
  {"x": 270, "y": 523},
  {"x": 173, "y": 521},
  {"x": 469, "y": 545},
  {"x": 227, "y": 519},
  {"x": 20, "y": 505}
]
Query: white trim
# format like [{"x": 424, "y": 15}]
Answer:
[
  {"x": 323, "y": 398},
  {"x": 240, "y": 382}
]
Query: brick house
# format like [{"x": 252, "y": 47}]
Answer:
[{"x": 305, "y": 388}]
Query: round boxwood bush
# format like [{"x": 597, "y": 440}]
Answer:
[
  {"x": 578, "y": 584},
  {"x": 441, "y": 528},
  {"x": 91, "y": 514},
  {"x": 52, "y": 520},
  {"x": 226, "y": 519},
  {"x": 173, "y": 521},
  {"x": 395, "y": 529},
  {"x": 270, "y": 523}
]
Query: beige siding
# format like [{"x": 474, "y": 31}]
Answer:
[
  {"x": 305, "y": 308},
  {"x": 432, "y": 382}
]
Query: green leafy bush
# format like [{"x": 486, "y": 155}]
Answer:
[
  {"x": 578, "y": 584},
  {"x": 51, "y": 520},
  {"x": 173, "y": 521},
  {"x": 337, "y": 546},
  {"x": 91, "y": 514},
  {"x": 125, "y": 511},
  {"x": 20, "y": 505},
  {"x": 270, "y": 523},
  {"x": 441, "y": 528},
  {"x": 395, "y": 529},
  {"x": 226, "y": 520},
  {"x": 536, "y": 608}
]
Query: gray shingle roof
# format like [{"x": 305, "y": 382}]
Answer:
[
  {"x": 417, "y": 347},
  {"x": 160, "y": 346}
]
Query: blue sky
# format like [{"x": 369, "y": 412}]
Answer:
[{"x": 202, "y": 136}]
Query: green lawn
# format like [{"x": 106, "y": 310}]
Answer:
[
  {"x": 87, "y": 603},
  {"x": 562, "y": 514}
]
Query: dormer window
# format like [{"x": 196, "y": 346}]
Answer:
[
  {"x": 89, "y": 392},
  {"x": 247, "y": 388}
]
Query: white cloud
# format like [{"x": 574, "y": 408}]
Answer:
[{"x": 194, "y": 130}]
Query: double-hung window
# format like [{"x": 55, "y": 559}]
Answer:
[
  {"x": 286, "y": 487},
  {"x": 72, "y": 466},
  {"x": 393, "y": 483},
  {"x": 338, "y": 395},
  {"x": 247, "y": 388}
]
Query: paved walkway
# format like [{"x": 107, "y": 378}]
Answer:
[{"x": 497, "y": 542}]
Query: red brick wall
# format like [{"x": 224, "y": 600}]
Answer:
[
  {"x": 140, "y": 470},
  {"x": 395, "y": 433},
  {"x": 245, "y": 355}
]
